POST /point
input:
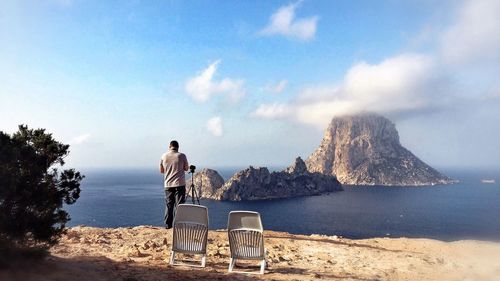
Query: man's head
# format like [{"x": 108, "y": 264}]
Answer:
[{"x": 174, "y": 145}]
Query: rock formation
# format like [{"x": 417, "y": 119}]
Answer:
[
  {"x": 257, "y": 183},
  {"x": 365, "y": 150},
  {"x": 207, "y": 182}
]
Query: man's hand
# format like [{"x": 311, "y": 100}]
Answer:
[{"x": 162, "y": 169}]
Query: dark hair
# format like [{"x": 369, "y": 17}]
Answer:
[{"x": 174, "y": 144}]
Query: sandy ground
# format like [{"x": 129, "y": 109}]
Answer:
[{"x": 141, "y": 253}]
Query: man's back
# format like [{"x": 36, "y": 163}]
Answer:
[{"x": 174, "y": 164}]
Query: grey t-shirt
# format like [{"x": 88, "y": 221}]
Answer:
[{"x": 175, "y": 164}]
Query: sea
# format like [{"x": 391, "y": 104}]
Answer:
[{"x": 469, "y": 209}]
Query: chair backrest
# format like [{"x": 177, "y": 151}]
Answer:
[
  {"x": 244, "y": 220},
  {"x": 191, "y": 213},
  {"x": 245, "y": 231},
  {"x": 190, "y": 229}
]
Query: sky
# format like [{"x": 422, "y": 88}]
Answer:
[{"x": 241, "y": 83}]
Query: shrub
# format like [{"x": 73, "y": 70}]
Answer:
[{"x": 33, "y": 189}]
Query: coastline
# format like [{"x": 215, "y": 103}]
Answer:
[{"x": 141, "y": 253}]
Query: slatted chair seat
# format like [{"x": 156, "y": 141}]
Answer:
[
  {"x": 190, "y": 238},
  {"x": 190, "y": 232},
  {"x": 247, "y": 244},
  {"x": 246, "y": 239}
]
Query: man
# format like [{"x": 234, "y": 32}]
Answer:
[{"x": 173, "y": 165}]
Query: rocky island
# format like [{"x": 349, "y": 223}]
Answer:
[
  {"x": 365, "y": 150},
  {"x": 259, "y": 184},
  {"x": 207, "y": 182}
]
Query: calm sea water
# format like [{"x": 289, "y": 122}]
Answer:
[{"x": 469, "y": 209}]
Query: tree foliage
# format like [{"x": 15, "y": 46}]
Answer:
[{"x": 32, "y": 188}]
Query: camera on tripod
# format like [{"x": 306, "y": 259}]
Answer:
[{"x": 192, "y": 189}]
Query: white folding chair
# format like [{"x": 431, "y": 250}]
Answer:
[
  {"x": 190, "y": 232},
  {"x": 246, "y": 239}
]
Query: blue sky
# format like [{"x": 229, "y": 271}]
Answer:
[{"x": 250, "y": 82}]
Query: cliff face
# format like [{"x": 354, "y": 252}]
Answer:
[
  {"x": 365, "y": 150},
  {"x": 257, "y": 183},
  {"x": 207, "y": 182}
]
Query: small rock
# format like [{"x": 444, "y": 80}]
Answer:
[
  {"x": 102, "y": 241},
  {"x": 285, "y": 258}
]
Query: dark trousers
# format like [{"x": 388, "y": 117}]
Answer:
[{"x": 173, "y": 197}]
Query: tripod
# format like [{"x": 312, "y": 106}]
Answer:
[{"x": 192, "y": 189}]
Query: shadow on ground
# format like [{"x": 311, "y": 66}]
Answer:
[{"x": 101, "y": 268}]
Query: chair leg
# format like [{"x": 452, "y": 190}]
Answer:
[
  {"x": 203, "y": 261},
  {"x": 231, "y": 264},
  {"x": 262, "y": 266},
  {"x": 172, "y": 258}
]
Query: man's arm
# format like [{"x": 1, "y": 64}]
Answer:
[
  {"x": 162, "y": 169},
  {"x": 186, "y": 165}
]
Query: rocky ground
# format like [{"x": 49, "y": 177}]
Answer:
[{"x": 141, "y": 253}]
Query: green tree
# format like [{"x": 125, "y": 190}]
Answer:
[{"x": 32, "y": 189}]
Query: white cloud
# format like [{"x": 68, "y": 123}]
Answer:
[
  {"x": 405, "y": 83},
  {"x": 80, "y": 139},
  {"x": 475, "y": 35},
  {"x": 276, "y": 88},
  {"x": 272, "y": 111},
  {"x": 202, "y": 87},
  {"x": 214, "y": 126},
  {"x": 400, "y": 83},
  {"x": 283, "y": 22}
]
